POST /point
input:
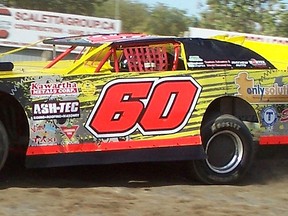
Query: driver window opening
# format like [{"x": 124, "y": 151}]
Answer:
[{"x": 144, "y": 58}]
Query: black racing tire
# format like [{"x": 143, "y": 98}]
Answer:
[
  {"x": 4, "y": 145},
  {"x": 230, "y": 151}
]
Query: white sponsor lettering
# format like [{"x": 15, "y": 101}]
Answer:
[{"x": 50, "y": 110}]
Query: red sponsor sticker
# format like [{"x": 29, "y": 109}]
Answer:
[{"x": 69, "y": 131}]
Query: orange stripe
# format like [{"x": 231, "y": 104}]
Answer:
[
  {"x": 113, "y": 146},
  {"x": 273, "y": 140}
]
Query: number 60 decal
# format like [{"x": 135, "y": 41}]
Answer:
[{"x": 153, "y": 106}]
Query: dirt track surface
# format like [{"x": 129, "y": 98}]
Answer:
[{"x": 142, "y": 189}]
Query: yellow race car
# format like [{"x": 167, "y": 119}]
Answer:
[{"x": 123, "y": 98}]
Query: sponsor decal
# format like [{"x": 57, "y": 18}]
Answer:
[
  {"x": 153, "y": 106},
  {"x": 257, "y": 63},
  {"x": 69, "y": 131},
  {"x": 196, "y": 64},
  {"x": 218, "y": 63},
  {"x": 41, "y": 140},
  {"x": 43, "y": 133},
  {"x": 248, "y": 90},
  {"x": 56, "y": 110},
  {"x": 195, "y": 58},
  {"x": 269, "y": 116},
  {"x": 239, "y": 64},
  {"x": 47, "y": 90},
  {"x": 88, "y": 88},
  {"x": 284, "y": 115}
]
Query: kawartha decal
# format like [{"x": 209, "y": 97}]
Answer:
[{"x": 46, "y": 90}]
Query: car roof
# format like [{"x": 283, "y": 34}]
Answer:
[
  {"x": 96, "y": 40},
  {"x": 206, "y": 50}
]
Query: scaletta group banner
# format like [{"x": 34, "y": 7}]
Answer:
[{"x": 20, "y": 27}]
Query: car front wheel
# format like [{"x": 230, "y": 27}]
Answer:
[{"x": 230, "y": 151}]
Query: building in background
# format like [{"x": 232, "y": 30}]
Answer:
[{"x": 22, "y": 27}]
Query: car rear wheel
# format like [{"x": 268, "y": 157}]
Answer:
[
  {"x": 4, "y": 145},
  {"x": 230, "y": 151}
]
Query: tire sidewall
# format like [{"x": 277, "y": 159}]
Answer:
[{"x": 4, "y": 148}]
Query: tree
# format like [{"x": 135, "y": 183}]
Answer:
[
  {"x": 133, "y": 15},
  {"x": 167, "y": 21},
  {"x": 241, "y": 15},
  {"x": 137, "y": 17},
  {"x": 282, "y": 22}
]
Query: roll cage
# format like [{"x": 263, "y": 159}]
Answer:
[{"x": 141, "y": 58}]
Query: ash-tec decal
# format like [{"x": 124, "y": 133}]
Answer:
[
  {"x": 56, "y": 110},
  {"x": 153, "y": 106},
  {"x": 45, "y": 90}
]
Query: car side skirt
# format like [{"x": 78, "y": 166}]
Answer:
[
  {"x": 273, "y": 140},
  {"x": 113, "y": 146},
  {"x": 176, "y": 153}
]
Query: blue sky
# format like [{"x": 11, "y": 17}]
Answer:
[{"x": 192, "y": 7}]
